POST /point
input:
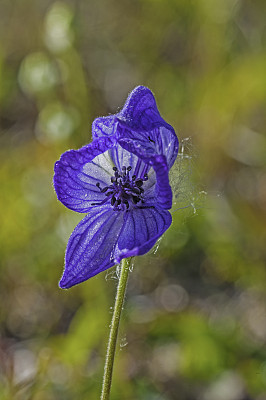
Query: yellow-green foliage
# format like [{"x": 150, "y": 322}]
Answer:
[{"x": 194, "y": 324}]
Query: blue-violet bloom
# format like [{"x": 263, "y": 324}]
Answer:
[{"x": 121, "y": 181}]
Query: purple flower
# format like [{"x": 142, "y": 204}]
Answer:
[{"x": 121, "y": 181}]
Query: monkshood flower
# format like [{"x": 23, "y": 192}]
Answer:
[{"x": 121, "y": 181}]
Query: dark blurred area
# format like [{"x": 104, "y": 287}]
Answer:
[{"x": 194, "y": 324}]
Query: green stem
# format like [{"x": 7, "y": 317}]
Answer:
[{"x": 110, "y": 354}]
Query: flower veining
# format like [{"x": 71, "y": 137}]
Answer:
[{"x": 121, "y": 181}]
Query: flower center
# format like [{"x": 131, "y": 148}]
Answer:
[{"x": 123, "y": 190}]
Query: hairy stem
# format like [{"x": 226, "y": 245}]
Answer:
[{"x": 110, "y": 354}]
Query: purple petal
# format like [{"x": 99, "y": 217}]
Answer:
[
  {"x": 90, "y": 247},
  {"x": 104, "y": 126},
  {"x": 78, "y": 171},
  {"x": 140, "y": 127},
  {"x": 163, "y": 191},
  {"x": 147, "y": 144},
  {"x": 140, "y": 109},
  {"x": 122, "y": 157},
  {"x": 105, "y": 236},
  {"x": 142, "y": 124},
  {"x": 142, "y": 228}
]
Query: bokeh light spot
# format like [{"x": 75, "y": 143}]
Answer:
[
  {"x": 58, "y": 34},
  {"x": 56, "y": 123},
  {"x": 37, "y": 73}
]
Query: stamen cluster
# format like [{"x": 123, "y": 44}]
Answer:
[{"x": 124, "y": 189}]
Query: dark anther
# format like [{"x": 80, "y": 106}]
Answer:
[
  {"x": 123, "y": 189},
  {"x": 135, "y": 199},
  {"x": 139, "y": 182},
  {"x": 136, "y": 190}
]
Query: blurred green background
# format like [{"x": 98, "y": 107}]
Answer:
[{"x": 194, "y": 325}]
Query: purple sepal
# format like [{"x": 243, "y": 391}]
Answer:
[
  {"x": 75, "y": 185},
  {"x": 90, "y": 246},
  {"x": 121, "y": 181},
  {"x": 140, "y": 122},
  {"x": 148, "y": 224},
  {"x": 104, "y": 237}
]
